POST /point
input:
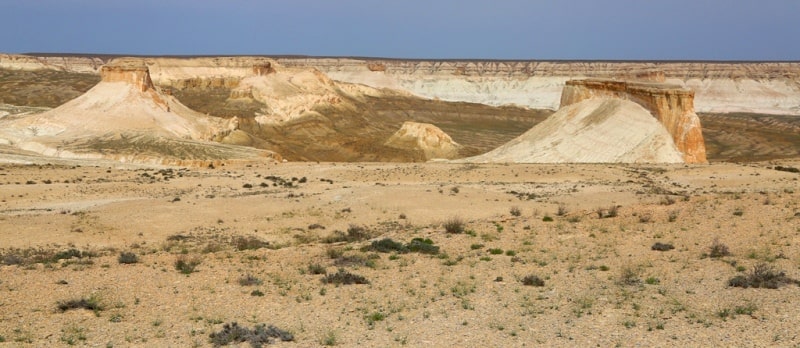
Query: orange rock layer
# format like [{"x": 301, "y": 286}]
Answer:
[
  {"x": 135, "y": 75},
  {"x": 672, "y": 105}
]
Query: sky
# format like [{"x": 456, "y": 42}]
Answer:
[{"x": 425, "y": 29}]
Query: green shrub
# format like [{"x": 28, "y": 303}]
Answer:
[{"x": 128, "y": 258}]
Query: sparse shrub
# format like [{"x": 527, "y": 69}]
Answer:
[
  {"x": 547, "y": 218},
  {"x": 762, "y": 276},
  {"x": 249, "y": 280},
  {"x": 454, "y": 225},
  {"x": 717, "y": 249},
  {"x": 562, "y": 210},
  {"x": 652, "y": 281},
  {"x": 496, "y": 251},
  {"x": 645, "y": 217},
  {"x": 387, "y": 245},
  {"x": 738, "y": 212},
  {"x": 249, "y": 243},
  {"x": 515, "y": 211},
  {"x": 658, "y": 246},
  {"x": 667, "y": 200},
  {"x": 247, "y": 186},
  {"x": 629, "y": 276},
  {"x": 673, "y": 215},
  {"x": 354, "y": 233},
  {"x": 787, "y": 169},
  {"x": 532, "y": 280},
  {"x": 609, "y": 212},
  {"x": 92, "y": 303},
  {"x": 127, "y": 258},
  {"x": 316, "y": 268},
  {"x": 511, "y": 253},
  {"x": 261, "y": 334},
  {"x": 343, "y": 277},
  {"x": 476, "y": 246},
  {"x": 422, "y": 246},
  {"x": 257, "y": 293},
  {"x": 187, "y": 265},
  {"x": 316, "y": 227}
]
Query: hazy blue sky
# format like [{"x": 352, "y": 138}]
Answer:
[{"x": 511, "y": 29}]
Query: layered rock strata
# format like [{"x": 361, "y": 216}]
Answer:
[
  {"x": 596, "y": 130},
  {"x": 672, "y": 106}
]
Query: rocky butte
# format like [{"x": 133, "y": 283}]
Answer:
[{"x": 671, "y": 105}]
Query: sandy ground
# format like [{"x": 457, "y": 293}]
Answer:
[{"x": 603, "y": 285}]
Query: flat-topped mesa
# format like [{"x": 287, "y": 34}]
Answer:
[
  {"x": 672, "y": 105},
  {"x": 138, "y": 76}
]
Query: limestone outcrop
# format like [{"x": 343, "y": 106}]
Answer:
[
  {"x": 137, "y": 75},
  {"x": 426, "y": 138},
  {"x": 672, "y": 106},
  {"x": 596, "y": 130},
  {"x": 125, "y": 118}
]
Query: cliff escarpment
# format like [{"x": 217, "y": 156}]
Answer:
[
  {"x": 756, "y": 87},
  {"x": 671, "y": 105}
]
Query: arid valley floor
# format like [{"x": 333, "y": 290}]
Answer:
[{"x": 264, "y": 236}]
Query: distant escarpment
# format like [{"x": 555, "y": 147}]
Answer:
[
  {"x": 671, "y": 105},
  {"x": 755, "y": 87}
]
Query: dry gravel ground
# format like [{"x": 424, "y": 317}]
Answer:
[{"x": 603, "y": 285}]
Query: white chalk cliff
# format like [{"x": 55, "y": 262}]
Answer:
[{"x": 599, "y": 130}]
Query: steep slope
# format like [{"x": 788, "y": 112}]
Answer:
[
  {"x": 671, "y": 105},
  {"x": 123, "y": 117},
  {"x": 591, "y": 131}
]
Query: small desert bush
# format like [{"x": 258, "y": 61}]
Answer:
[
  {"x": 343, "y": 277},
  {"x": 354, "y": 233},
  {"x": 609, "y": 212},
  {"x": 249, "y": 243},
  {"x": 515, "y": 211},
  {"x": 562, "y": 210},
  {"x": 249, "y": 280},
  {"x": 260, "y": 335},
  {"x": 717, "y": 249},
  {"x": 92, "y": 303},
  {"x": 532, "y": 280},
  {"x": 762, "y": 276},
  {"x": 422, "y": 246},
  {"x": 127, "y": 258},
  {"x": 187, "y": 265},
  {"x": 454, "y": 225},
  {"x": 387, "y": 245},
  {"x": 629, "y": 276},
  {"x": 658, "y": 246},
  {"x": 316, "y": 268}
]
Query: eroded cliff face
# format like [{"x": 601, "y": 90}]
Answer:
[
  {"x": 89, "y": 65},
  {"x": 672, "y": 105},
  {"x": 768, "y": 87},
  {"x": 138, "y": 76},
  {"x": 755, "y": 87}
]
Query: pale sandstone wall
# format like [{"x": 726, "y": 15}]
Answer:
[{"x": 673, "y": 106}]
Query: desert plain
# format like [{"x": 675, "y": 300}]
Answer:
[{"x": 401, "y": 252}]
